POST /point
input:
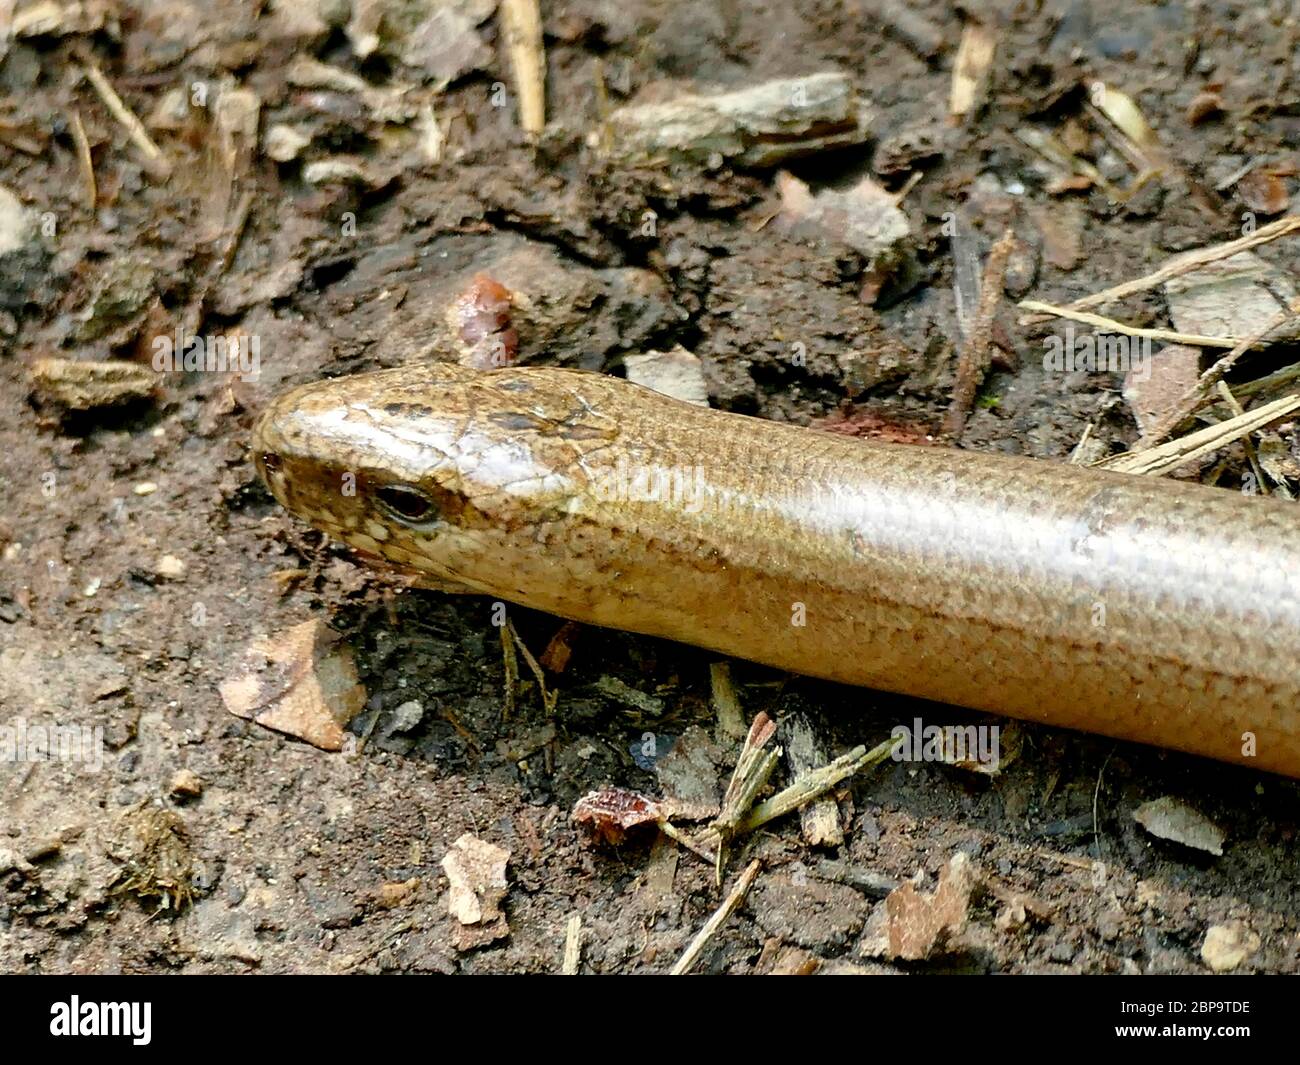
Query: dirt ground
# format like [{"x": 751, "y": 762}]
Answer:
[{"x": 302, "y": 205}]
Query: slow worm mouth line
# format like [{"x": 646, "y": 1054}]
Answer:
[{"x": 1129, "y": 606}]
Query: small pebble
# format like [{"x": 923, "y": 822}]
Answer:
[
  {"x": 170, "y": 568},
  {"x": 185, "y": 784}
]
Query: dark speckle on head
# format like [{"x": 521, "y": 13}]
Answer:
[
  {"x": 582, "y": 432},
  {"x": 410, "y": 410},
  {"x": 516, "y": 421}
]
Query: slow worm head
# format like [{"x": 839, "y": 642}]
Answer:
[{"x": 1138, "y": 608}]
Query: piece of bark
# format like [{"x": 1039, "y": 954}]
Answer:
[
  {"x": 1230, "y": 297},
  {"x": 761, "y": 126},
  {"x": 82, "y": 386},
  {"x": 805, "y": 752}
]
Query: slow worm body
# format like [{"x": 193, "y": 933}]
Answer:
[{"x": 1142, "y": 609}]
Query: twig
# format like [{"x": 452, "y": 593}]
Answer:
[
  {"x": 806, "y": 755},
  {"x": 1096, "y": 794},
  {"x": 731, "y": 722},
  {"x": 432, "y": 138},
  {"x": 230, "y": 234},
  {"x": 510, "y": 665},
  {"x": 572, "y": 946},
  {"x": 1167, "y": 457},
  {"x": 678, "y": 836},
  {"x": 970, "y": 68},
  {"x": 973, "y": 362},
  {"x": 134, "y": 127},
  {"x": 1138, "y": 156},
  {"x": 913, "y": 180},
  {"x": 1252, "y": 456},
  {"x": 549, "y": 698},
  {"x": 729, "y": 905},
  {"x": 83, "y": 157},
  {"x": 522, "y": 24},
  {"x": 1269, "y": 382},
  {"x": 753, "y": 770},
  {"x": 914, "y": 30},
  {"x": 235, "y": 232},
  {"x": 1192, "y": 262},
  {"x": 1076, "y": 456},
  {"x": 815, "y": 784},
  {"x": 1111, "y": 325},
  {"x": 1196, "y": 396},
  {"x": 804, "y": 790}
]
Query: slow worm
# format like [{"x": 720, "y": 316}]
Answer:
[{"x": 1143, "y": 609}]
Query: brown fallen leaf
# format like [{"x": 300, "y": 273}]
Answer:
[
  {"x": 911, "y": 926},
  {"x": 1205, "y": 104},
  {"x": 1172, "y": 819},
  {"x": 1010, "y": 740},
  {"x": 393, "y": 893},
  {"x": 301, "y": 681},
  {"x": 873, "y": 426},
  {"x": 688, "y": 777},
  {"x": 560, "y": 648},
  {"x": 1264, "y": 191},
  {"x": 1062, "y": 228},
  {"x": 1156, "y": 388},
  {"x": 865, "y": 218}
]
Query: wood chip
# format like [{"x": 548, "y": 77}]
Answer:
[
  {"x": 83, "y": 386},
  {"x": 476, "y": 870},
  {"x": 971, "y": 69},
  {"x": 1226, "y": 946},
  {"x": 760, "y": 126},
  {"x": 677, "y": 373}
]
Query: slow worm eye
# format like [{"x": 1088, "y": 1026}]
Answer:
[
  {"x": 270, "y": 461},
  {"x": 405, "y": 504}
]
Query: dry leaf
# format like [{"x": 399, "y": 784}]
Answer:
[
  {"x": 301, "y": 682},
  {"x": 911, "y": 926},
  {"x": 1172, "y": 819}
]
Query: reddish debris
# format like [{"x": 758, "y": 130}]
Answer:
[
  {"x": 611, "y": 813},
  {"x": 874, "y": 427},
  {"x": 480, "y": 321}
]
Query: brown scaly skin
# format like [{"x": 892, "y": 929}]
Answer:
[{"x": 1143, "y": 609}]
